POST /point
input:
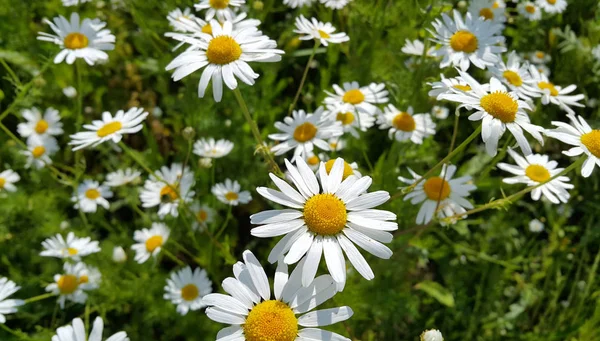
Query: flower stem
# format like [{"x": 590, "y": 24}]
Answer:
[
  {"x": 303, "y": 80},
  {"x": 38, "y": 298},
  {"x": 172, "y": 257},
  {"x": 224, "y": 223}
]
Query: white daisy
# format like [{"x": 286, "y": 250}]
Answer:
[
  {"x": 90, "y": 194},
  {"x": 536, "y": 226},
  {"x": 70, "y": 92},
  {"x": 186, "y": 289},
  {"x": 314, "y": 161},
  {"x": 445, "y": 86},
  {"x": 487, "y": 10},
  {"x": 8, "y": 178},
  {"x": 303, "y": 131},
  {"x": 122, "y": 177},
  {"x": 349, "y": 168},
  {"x": 364, "y": 99},
  {"x": 7, "y": 288},
  {"x": 352, "y": 121},
  {"x": 439, "y": 112},
  {"x": 149, "y": 241},
  {"x": 539, "y": 57},
  {"x": 467, "y": 41},
  {"x": 110, "y": 128},
  {"x": 76, "y": 332},
  {"x": 404, "y": 125},
  {"x": 336, "y": 144},
  {"x": 515, "y": 76},
  {"x": 583, "y": 137},
  {"x": 222, "y": 9},
  {"x": 204, "y": 216},
  {"x": 555, "y": 94},
  {"x": 530, "y": 11},
  {"x": 68, "y": 3},
  {"x": 432, "y": 335},
  {"x": 326, "y": 220},
  {"x": 535, "y": 169},
  {"x": 441, "y": 194},
  {"x": 297, "y": 3},
  {"x": 87, "y": 39},
  {"x": 72, "y": 284},
  {"x": 229, "y": 192},
  {"x": 212, "y": 149},
  {"x": 38, "y": 126},
  {"x": 72, "y": 248},
  {"x": 39, "y": 151},
  {"x": 319, "y": 31},
  {"x": 254, "y": 315},
  {"x": 543, "y": 69},
  {"x": 552, "y": 6},
  {"x": 175, "y": 18},
  {"x": 167, "y": 189},
  {"x": 416, "y": 48},
  {"x": 335, "y": 4}
]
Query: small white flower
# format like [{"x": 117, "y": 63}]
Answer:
[
  {"x": 319, "y": 31},
  {"x": 119, "y": 255},
  {"x": 352, "y": 121},
  {"x": 487, "y": 10},
  {"x": 149, "y": 241},
  {"x": 167, "y": 188},
  {"x": 186, "y": 289},
  {"x": 76, "y": 332},
  {"x": 8, "y": 178},
  {"x": 536, "y": 226},
  {"x": 205, "y": 162},
  {"x": 445, "y": 86},
  {"x": 515, "y": 76},
  {"x": 555, "y": 94},
  {"x": 530, "y": 11},
  {"x": 73, "y": 283},
  {"x": 297, "y": 3},
  {"x": 596, "y": 53},
  {"x": 552, "y": 6},
  {"x": 364, "y": 99},
  {"x": 38, "y": 126},
  {"x": 122, "y": 177},
  {"x": 70, "y": 92},
  {"x": 72, "y": 248},
  {"x": 39, "y": 151},
  {"x": 416, "y": 48},
  {"x": 439, "y": 112},
  {"x": 404, "y": 125},
  {"x": 90, "y": 194},
  {"x": 212, "y": 149},
  {"x": 222, "y": 9},
  {"x": 204, "y": 216},
  {"x": 432, "y": 335},
  {"x": 335, "y": 4},
  {"x": 230, "y": 193},
  {"x": 176, "y": 17},
  {"x": 7, "y": 288},
  {"x": 539, "y": 57},
  {"x": 68, "y": 3},
  {"x": 336, "y": 144}
]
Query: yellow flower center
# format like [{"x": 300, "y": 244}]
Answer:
[
  {"x": 404, "y": 121},
  {"x": 219, "y": 4},
  {"x": 462, "y": 87},
  {"x": 169, "y": 193},
  {"x": 436, "y": 188},
  {"x": 333, "y": 145},
  {"x": 223, "y": 50},
  {"x": 271, "y": 321},
  {"x": 324, "y": 34},
  {"x": 38, "y": 151},
  {"x": 513, "y": 78},
  {"x": 500, "y": 105},
  {"x": 202, "y": 215},
  {"x": 305, "y": 132},
  {"x": 354, "y": 96},
  {"x": 313, "y": 160},
  {"x": 530, "y": 9},
  {"x": 231, "y": 196},
  {"x": 71, "y": 251},
  {"x": 549, "y": 86},
  {"x": 591, "y": 141},
  {"x": 92, "y": 193},
  {"x": 551, "y": 2},
  {"x": 83, "y": 279},
  {"x": 41, "y": 126},
  {"x": 109, "y": 128},
  {"x": 464, "y": 41},
  {"x": 325, "y": 214},
  {"x": 189, "y": 292},
  {"x": 76, "y": 40},
  {"x": 67, "y": 284},
  {"x": 2, "y": 182},
  {"x": 346, "y": 118},
  {"x": 496, "y": 4},
  {"x": 347, "y": 169},
  {"x": 486, "y": 13},
  {"x": 537, "y": 173},
  {"x": 540, "y": 54},
  {"x": 153, "y": 242},
  {"x": 207, "y": 29}
]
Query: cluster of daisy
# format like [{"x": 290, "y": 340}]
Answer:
[{"x": 333, "y": 4}]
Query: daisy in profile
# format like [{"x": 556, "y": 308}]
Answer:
[
  {"x": 487, "y": 10},
  {"x": 297, "y": 3},
  {"x": 149, "y": 241},
  {"x": 230, "y": 193},
  {"x": 515, "y": 76},
  {"x": 110, "y": 128},
  {"x": 303, "y": 131},
  {"x": 530, "y": 11},
  {"x": 466, "y": 42},
  {"x": 552, "y": 6},
  {"x": 335, "y": 4},
  {"x": 73, "y": 283},
  {"x": 432, "y": 335},
  {"x": 90, "y": 194},
  {"x": 176, "y": 17},
  {"x": 212, "y": 149},
  {"x": 222, "y": 9},
  {"x": 186, "y": 288},
  {"x": 539, "y": 57},
  {"x": 7, "y": 288},
  {"x": 76, "y": 332},
  {"x": 584, "y": 139},
  {"x": 352, "y": 121},
  {"x": 364, "y": 99},
  {"x": 38, "y": 125},
  {"x": 39, "y": 151},
  {"x": 441, "y": 194},
  {"x": 72, "y": 248},
  {"x": 319, "y": 31},
  {"x": 122, "y": 177},
  {"x": 441, "y": 113},
  {"x": 167, "y": 188},
  {"x": 535, "y": 169},
  {"x": 314, "y": 161},
  {"x": 404, "y": 125},
  {"x": 446, "y": 85},
  {"x": 204, "y": 216},
  {"x": 324, "y": 220},
  {"x": 256, "y": 314},
  {"x": 416, "y": 48},
  {"x": 8, "y": 178},
  {"x": 555, "y": 94},
  {"x": 87, "y": 39}
]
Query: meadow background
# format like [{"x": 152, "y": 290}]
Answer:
[{"x": 486, "y": 278}]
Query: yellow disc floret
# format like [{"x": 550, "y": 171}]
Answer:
[
  {"x": 486, "y": 13},
  {"x": 354, "y": 96},
  {"x": 591, "y": 141},
  {"x": 202, "y": 215},
  {"x": 549, "y": 86},
  {"x": 305, "y": 132},
  {"x": 347, "y": 169},
  {"x": 500, "y": 105},
  {"x": 345, "y": 117},
  {"x": 189, "y": 292},
  {"x": 67, "y": 284},
  {"x": 324, "y": 34},
  {"x": 41, "y": 126},
  {"x": 231, "y": 196},
  {"x": 313, "y": 160},
  {"x": 530, "y": 9},
  {"x": 92, "y": 194},
  {"x": 169, "y": 193},
  {"x": 404, "y": 121},
  {"x": 325, "y": 214},
  {"x": 76, "y": 40},
  {"x": 72, "y": 251},
  {"x": 271, "y": 321},
  {"x": 537, "y": 173},
  {"x": 512, "y": 78},
  {"x": 153, "y": 242},
  {"x": 109, "y": 128},
  {"x": 464, "y": 41},
  {"x": 207, "y": 29},
  {"x": 551, "y": 2},
  {"x": 462, "y": 87},
  {"x": 436, "y": 188},
  {"x": 38, "y": 151},
  {"x": 2, "y": 182},
  {"x": 219, "y": 4},
  {"x": 223, "y": 50}
]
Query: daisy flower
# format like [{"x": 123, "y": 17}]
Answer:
[
  {"x": 467, "y": 41},
  {"x": 555, "y": 94},
  {"x": 539, "y": 57},
  {"x": 498, "y": 110},
  {"x": 68, "y": 3},
  {"x": 186, "y": 289},
  {"x": 552, "y": 6},
  {"x": 535, "y": 169},
  {"x": 110, "y": 128},
  {"x": 38, "y": 126},
  {"x": 222, "y": 9},
  {"x": 319, "y": 31},
  {"x": 297, "y": 3},
  {"x": 167, "y": 188},
  {"x": 204, "y": 216},
  {"x": 441, "y": 194},
  {"x": 149, "y": 241},
  {"x": 487, "y": 10},
  {"x": 336, "y": 144},
  {"x": 404, "y": 125},
  {"x": 325, "y": 219},
  {"x": 194, "y": 25},
  {"x": 119, "y": 255},
  {"x": 90, "y": 194},
  {"x": 254, "y": 314},
  {"x": 515, "y": 76},
  {"x": 335, "y": 4},
  {"x": 530, "y": 11},
  {"x": 212, "y": 149},
  {"x": 76, "y": 332},
  {"x": 175, "y": 18},
  {"x": 122, "y": 177},
  {"x": 349, "y": 168},
  {"x": 87, "y": 39},
  {"x": 72, "y": 284},
  {"x": 229, "y": 192},
  {"x": 303, "y": 131},
  {"x": 39, "y": 151},
  {"x": 70, "y": 92},
  {"x": 364, "y": 99},
  {"x": 8, "y": 178},
  {"x": 416, "y": 48},
  {"x": 439, "y": 112},
  {"x": 432, "y": 335},
  {"x": 7, "y": 288},
  {"x": 584, "y": 139},
  {"x": 72, "y": 248},
  {"x": 314, "y": 161},
  {"x": 351, "y": 120},
  {"x": 446, "y": 86},
  {"x": 536, "y": 226}
]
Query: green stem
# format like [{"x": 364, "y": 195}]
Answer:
[
  {"x": 38, "y": 298},
  {"x": 224, "y": 226},
  {"x": 136, "y": 158},
  {"x": 172, "y": 257},
  {"x": 303, "y": 80},
  {"x": 23, "y": 91}
]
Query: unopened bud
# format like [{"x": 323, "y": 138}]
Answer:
[
  {"x": 258, "y": 5},
  {"x": 188, "y": 133},
  {"x": 205, "y": 162},
  {"x": 119, "y": 255}
]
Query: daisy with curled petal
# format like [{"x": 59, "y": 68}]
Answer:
[
  {"x": 445, "y": 86},
  {"x": 364, "y": 99},
  {"x": 352, "y": 121},
  {"x": 466, "y": 42},
  {"x": 302, "y": 131},
  {"x": 552, "y": 6},
  {"x": 8, "y": 178},
  {"x": 167, "y": 188},
  {"x": 297, "y": 3},
  {"x": 204, "y": 216},
  {"x": 404, "y": 125},
  {"x": 416, "y": 48},
  {"x": 230, "y": 193},
  {"x": 222, "y": 9},
  {"x": 175, "y": 18},
  {"x": 254, "y": 314},
  {"x": 90, "y": 194},
  {"x": 583, "y": 137},
  {"x": 76, "y": 332},
  {"x": 224, "y": 55},
  {"x": 72, "y": 284},
  {"x": 325, "y": 219},
  {"x": 530, "y": 11},
  {"x": 39, "y": 150},
  {"x": 440, "y": 194},
  {"x": 149, "y": 241},
  {"x": 211, "y": 148},
  {"x": 87, "y": 39},
  {"x": 40, "y": 126},
  {"x": 535, "y": 169},
  {"x": 122, "y": 177},
  {"x": 335, "y": 4},
  {"x": 555, "y": 94},
  {"x": 319, "y": 31},
  {"x": 498, "y": 110},
  {"x": 515, "y": 76},
  {"x": 72, "y": 248},
  {"x": 186, "y": 289},
  {"x": 7, "y": 288},
  {"x": 488, "y": 11}
]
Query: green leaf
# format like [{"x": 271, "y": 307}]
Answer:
[{"x": 437, "y": 291}]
